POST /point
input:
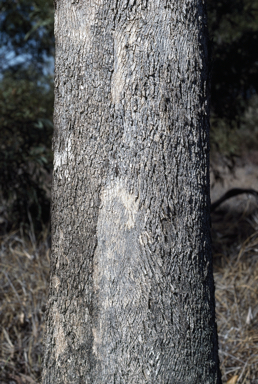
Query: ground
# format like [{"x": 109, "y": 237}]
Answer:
[{"x": 24, "y": 280}]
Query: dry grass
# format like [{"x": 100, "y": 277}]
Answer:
[
  {"x": 23, "y": 289},
  {"x": 235, "y": 243}
]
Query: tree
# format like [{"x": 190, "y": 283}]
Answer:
[{"x": 131, "y": 289}]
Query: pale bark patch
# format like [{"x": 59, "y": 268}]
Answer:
[
  {"x": 79, "y": 21},
  {"x": 118, "y": 79},
  {"x": 116, "y": 260},
  {"x": 116, "y": 191},
  {"x": 122, "y": 41},
  {"x": 60, "y": 253},
  {"x": 63, "y": 157},
  {"x": 59, "y": 335},
  {"x": 56, "y": 282}
]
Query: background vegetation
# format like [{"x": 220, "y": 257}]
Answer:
[
  {"x": 26, "y": 99},
  {"x": 26, "y": 107},
  {"x": 233, "y": 28}
]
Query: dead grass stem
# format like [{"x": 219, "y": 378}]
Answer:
[
  {"x": 24, "y": 269},
  {"x": 235, "y": 238}
]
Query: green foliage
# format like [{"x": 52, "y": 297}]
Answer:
[
  {"x": 26, "y": 104},
  {"x": 27, "y": 31},
  {"x": 25, "y": 142},
  {"x": 234, "y": 32}
]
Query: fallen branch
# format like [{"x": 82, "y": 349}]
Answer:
[{"x": 232, "y": 193}]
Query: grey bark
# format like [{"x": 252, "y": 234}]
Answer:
[{"x": 131, "y": 291}]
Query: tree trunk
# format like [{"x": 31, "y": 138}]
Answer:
[{"x": 131, "y": 290}]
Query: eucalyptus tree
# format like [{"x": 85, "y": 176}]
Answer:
[{"x": 131, "y": 290}]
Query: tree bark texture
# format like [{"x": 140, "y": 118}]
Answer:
[{"x": 131, "y": 291}]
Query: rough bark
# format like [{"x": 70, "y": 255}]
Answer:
[{"x": 131, "y": 291}]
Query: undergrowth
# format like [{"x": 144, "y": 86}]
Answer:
[{"x": 24, "y": 283}]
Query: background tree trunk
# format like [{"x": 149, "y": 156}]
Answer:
[{"x": 131, "y": 291}]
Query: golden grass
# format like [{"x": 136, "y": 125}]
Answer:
[
  {"x": 24, "y": 269},
  {"x": 23, "y": 290},
  {"x": 235, "y": 243}
]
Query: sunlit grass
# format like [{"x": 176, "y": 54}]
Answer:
[{"x": 24, "y": 274}]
